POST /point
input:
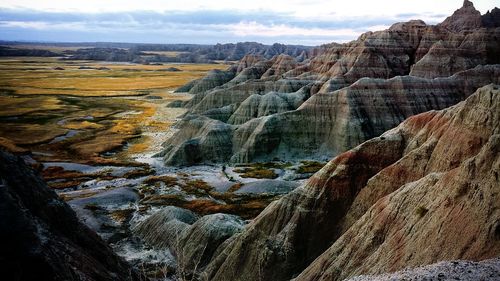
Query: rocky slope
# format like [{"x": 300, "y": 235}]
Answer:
[
  {"x": 42, "y": 239},
  {"x": 193, "y": 241},
  {"x": 444, "y": 271},
  {"x": 283, "y": 108},
  {"x": 279, "y": 125},
  {"x": 395, "y": 201},
  {"x": 465, "y": 18}
]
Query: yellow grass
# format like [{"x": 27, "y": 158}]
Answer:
[
  {"x": 55, "y": 49},
  {"x": 165, "y": 53},
  {"x": 38, "y": 76},
  {"x": 44, "y": 103},
  {"x": 75, "y": 125},
  {"x": 13, "y": 106}
]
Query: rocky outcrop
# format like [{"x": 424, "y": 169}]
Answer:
[
  {"x": 318, "y": 108},
  {"x": 207, "y": 139},
  {"x": 491, "y": 18},
  {"x": 373, "y": 209},
  {"x": 233, "y": 52},
  {"x": 163, "y": 228},
  {"x": 41, "y": 236},
  {"x": 465, "y": 18},
  {"x": 263, "y": 105},
  {"x": 327, "y": 123},
  {"x": 444, "y": 271},
  {"x": 213, "y": 79},
  {"x": 6, "y": 51},
  {"x": 150, "y": 53},
  {"x": 199, "y": 243},
  {"x": 193, "y": 241},
  {"x": 267, "y": 187},
  {"x": 281, "y": 65},
  {"x": 459, "y": 52}
]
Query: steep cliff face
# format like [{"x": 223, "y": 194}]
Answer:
[
  {"x": 459, "y": 52},
  {"x": 318, "y": 108},
  {"x": 41, "y": 236},
  {"x": 394, "y": 201},
  {"x": 268, "y": 126},
  {"x": 448, "y": 176},
  {"x": 207, "y": 139}
]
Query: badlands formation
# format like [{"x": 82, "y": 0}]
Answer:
[
  {"x": 410, "y": 118},
  {"x": 280, "y": 109}
]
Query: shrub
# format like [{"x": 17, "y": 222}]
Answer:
[
  {"x": 421, "y": 211},
  {"x": 198, "y": 187}
]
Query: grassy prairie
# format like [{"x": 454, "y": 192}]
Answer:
[
  {"x": 172, "y": 54},
  {"x": 64, "y": 111},
  {"x": 42, "y": 76},
  {"x": 55, "y": 49}
]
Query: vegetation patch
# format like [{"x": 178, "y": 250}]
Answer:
[
  {"x": 65, "y": 184},
  {"x": 310, "y": 167},
  {"x": 137, "y": 173},
  {"x": 256, "y": 173},
  {"x": 167, "y": 180},
  {"x": 421, "y": 211},
  {"x": 197, "y": 187},
  {"x": 235, "y": 187},
  {"x": 40, "y": 103},
  {"x": 122, "y": 216},
  {"x": 93, "y": 207},
  {"x": 263, "y": 170}
]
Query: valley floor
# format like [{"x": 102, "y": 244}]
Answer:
[{"x": 95, "y": 146}]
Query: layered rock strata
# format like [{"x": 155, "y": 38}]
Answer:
[
  {"x": 318, "y": 108},
  {"x": 373, "y": 209}
]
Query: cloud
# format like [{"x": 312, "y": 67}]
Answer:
[{"x": 200, "y": 26}]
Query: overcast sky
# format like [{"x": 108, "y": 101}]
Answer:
[{"x": 307, "y": 22}]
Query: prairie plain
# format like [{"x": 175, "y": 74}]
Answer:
[{"x": 85, "y": 111}]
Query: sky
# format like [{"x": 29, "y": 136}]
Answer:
[{"x": 305, "y": 22}]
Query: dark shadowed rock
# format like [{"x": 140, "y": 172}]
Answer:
[
  {"x": 41, "y": 236},
  {"x": 170, "y": 69},
  {"x": 491, "y": 18}
]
